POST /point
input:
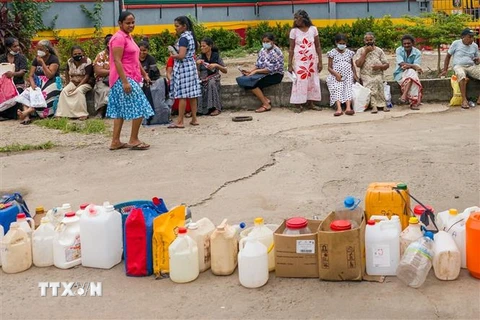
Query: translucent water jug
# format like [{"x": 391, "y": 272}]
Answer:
[
  {"x": 349, "y": 210},
  {"x": 382, "y": 247},
  {"x": 252, "y": 263},
  {"x": 27, "y": 224},
  {"x": 416, "y": 262},
  {"x": 66, "y": 243},
  {"x": 265, "y": 235},
  {"x": 411, "y": 233},
  {"x": 473, "y": 244},
  {"x": 200, "y": 232},
  {"x": 42, "y": 244},
  {"x": 1, "y": 237},
  {"x": 16, "y": 250},
  {"x": 183, "y": 256},
  {"x": 101, "y": 236},
  {"x": 447, "y": 259},
  {"x": 224, "y": 247}
]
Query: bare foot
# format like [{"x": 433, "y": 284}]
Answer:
[{"x": 21, "y": 115}]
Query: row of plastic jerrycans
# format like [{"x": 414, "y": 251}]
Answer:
[
  {"x": 201, "y": 246},
  {"x": 92, "y": 236},
  {"x": 455, "y": 246}
]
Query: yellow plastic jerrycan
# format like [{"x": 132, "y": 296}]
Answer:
[{"x": 388, "y": 199}]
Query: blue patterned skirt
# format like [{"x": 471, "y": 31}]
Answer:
[{"x": 128, "y": 106}]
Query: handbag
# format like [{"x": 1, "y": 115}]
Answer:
[
  {"x": 8, "y": 93},
  {"x": 37, "y": 100},
  {"x": 250, "y": 81}
]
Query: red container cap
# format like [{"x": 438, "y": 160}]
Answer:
[
  {"x": 371, "y": 222},
  {"x": 156, "y": 201},
  {"x": 70, "y": 214},
  {"x": 419, "y": 210},
  {"x": 296, "y": 223},
  {"x": 84, "y": 206},
  {"x": 340, "y": 225},
  {"x": 182, "y": 230},
  {"x": 21, "y": 215}
]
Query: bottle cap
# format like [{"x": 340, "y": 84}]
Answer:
[
  {"x": 340, "y": 225},
  {"x": 429, "y": 234},
  {"x": 192, "y": 226},
  {"x": 70, "y": 214},
  {"x": 401, "y": 186},
  {"x": 371, "y": 222},
  {"x": 349, "y": 202},
  {"x": 21, "y": 215},
  {"x": 453, "y": 212},
  {"x": 413, "y": 220},
  {"x": 296, "y": 223},
  {"x": 84, "y": 206},
  {"x": 156, "y": 201},
  {"x": 419, "y": 210},
  {"x": 39, "y": 210},
  {"x": 182, "y": 230},
  {"x": 66, "y": 205},
  {"x": 242, "y": 225},
  {"x": 258, "y": 221}
]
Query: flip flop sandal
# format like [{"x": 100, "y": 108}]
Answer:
[
  {"x": 26, "y": 122},
  {"x": 141, "y": 146},
  {"x": 349, "y": 112},
  {"x": 337, "y": 114},
  {"x": 194, "y": 123},
  {"x": 263, "y": 109},
  {"x": 412, "y": 107},
  {"x": 175, "y": 126},
  {"x": 121, "y": 146},
  {"x": 465, "y": 106},
  {"x": 242, "y": 118}
]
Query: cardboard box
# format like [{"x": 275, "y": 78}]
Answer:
[
  {"x": 341, "y": 254},
  {"x": 296, "y": 256}
]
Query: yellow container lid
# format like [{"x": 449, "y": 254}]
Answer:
[
  {"x": 39, "y": 209},
  {"x": 453, "y": 212},
  {"x": 258, "y": 221},
  {"x": 413, "y": 220}
]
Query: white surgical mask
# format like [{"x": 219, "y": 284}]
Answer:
[
  {"x": 341, "y": 46},
  {"x": 267, "y": 45},
  {"x": 13, "y": 53},
  {"x": 41, "y": 53}
]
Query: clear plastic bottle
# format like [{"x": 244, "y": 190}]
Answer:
[
  {"x": 417, "y": 261},
  {"x": 349, "y": 210}
]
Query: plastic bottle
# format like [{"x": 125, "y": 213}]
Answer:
[
  {"x": 252, "y": 263},
  {"x": 16, "y": 250},
  {"x": 382, "y": 247},
  {"x": 82, "y": 209},
  {"x": 444, "y": 218},
  {"x": 224, "y": 247},
  {"x": 200, "y": 232},
  {"x": 27, "y": 224},
  {"x": 447, "y": 259},
  {"x": 66, "y": 243},
  {"x": 265, "y": 236},
  {"x": 239, "y": 228},
  {"x": 349, "y": 210},
  {"x": 411, "y": 233},
  {"x": 183, "y": 255},
  {"x": 296, "y": 226},
  {"x": 101, "y": 236},
  {"x": 42, "y": 244},
  {"x": 1, "y": 237},
  {"x": 472, "y": 233},
  {"x": 416, "y": 261}
]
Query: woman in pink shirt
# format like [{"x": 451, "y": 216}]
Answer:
[{"x": 126, "y": 100}]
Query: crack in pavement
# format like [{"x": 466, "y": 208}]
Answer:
[{"x": 272, "y": 162}]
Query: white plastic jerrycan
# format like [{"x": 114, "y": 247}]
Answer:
[
  {"x": 457, "y": 228},
  {"x": 382, "y": 247},
  {"x": 252, "y": 263},
  {"x": 183, "y": 258},
  {"x": 447, "y": 259},
  {"x": 16, "y": 250},
  {"x": 200, "y": 232},
  {"x": 224, "y": 248},
  {"x": 66, "y": 243},
  {"x": 101, "y": 236},
  {"x": 42, "y": 244},
  {"x": 445, "y": 218},
  {"x": 26, "y": 224},
  {"x": 265, "y": 235},
  {"x": 1, "y": 237},
  {"x": 411, "y": 233}
]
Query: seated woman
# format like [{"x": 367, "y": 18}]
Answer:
[
  {"x": 267, "y": 72},
  {"x": 44, "y": 74},
  {"x": 210, "y": 64},
  {"x": 169, "y": 70},
  {"x": 406, "y": 74},
  {"x": 101, "y": 68},
  {"x": 14, "y": 56},
  {"x": 73, "y": 103}
]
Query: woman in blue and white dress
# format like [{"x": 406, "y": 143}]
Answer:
[{"x": 185, "y": 82}]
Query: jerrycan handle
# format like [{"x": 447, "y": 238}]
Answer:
[
  {"x": 378, "y": 217},
  {"x": 241, "y": 244},
  {"x": 31, "y": 222}
]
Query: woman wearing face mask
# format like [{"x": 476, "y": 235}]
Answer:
[
  {"x": 341, "y": 77},
  {"x": 14, "y": 56},
  {"x": 305, "y": 60},
  {"x": 72, "y": 103},
  {"x": 267, "y": 72},
  {"x": 126, "y": 100},
  {"x": 185, "y": 82},
  {"x": 210, "y": 64},
  {"x": 44, "y": 74},
  {"x": 101, "y": 68}
]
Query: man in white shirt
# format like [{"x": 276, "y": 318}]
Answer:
[{"x": 465, "y": 62}]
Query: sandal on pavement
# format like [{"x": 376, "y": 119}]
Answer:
[
  {"x": 263, "y": 109},
  {"x": 349, "y": 112},
  {"x": 214, "y": 113},
  {"x": 414, "y": 107},
  {"x": 140, "y": 146},
  {"x": 242, "y": 118},
  {"x": 120, "y": 146},
  {"x": 337, "y": 114},
  {"x": 194, "y": 123},
  {"x": 465, "y": 105},
  {"x": 175, "y": 126},
  {"x": 26, "y": 122}
]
